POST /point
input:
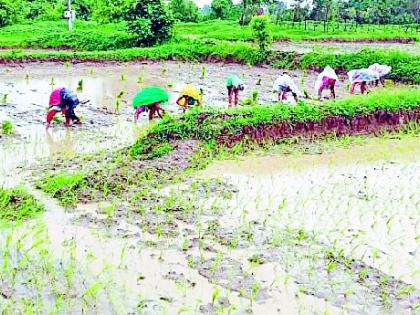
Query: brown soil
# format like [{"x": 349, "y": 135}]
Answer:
[{"x": 361, "y": 124}]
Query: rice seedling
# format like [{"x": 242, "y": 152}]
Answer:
[
  {"x": 79, "y": 88},
  {"x": 4, "y": 98}
]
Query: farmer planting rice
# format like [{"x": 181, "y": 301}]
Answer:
[
  {"x": 65, "y": 101},
  {"x": 361, "y": 77},
  {"x": 382, "y": 70},
  {"x": 150, "y": 99},
  {"x": 189, "y": 96},
  {"x": 326, "y": 80},
  {"x": 285, "y": 84},
  {"x": 234, "y": 85}
]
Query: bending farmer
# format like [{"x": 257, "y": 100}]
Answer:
[
  {"x": 64, "y": 101},
  {"x": 283, "y": 85},
  {"x": 326, "y": 80},
  {"x": 361, "y": 77},
  {"x": 234, "y": 85},
  {"x": 189, "y": 96},
  {"x": 150, "y": 99}
]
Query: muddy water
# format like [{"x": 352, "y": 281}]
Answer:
[
  {"x": 364, "y": 199},
  {"x": 305, "y": 47}
]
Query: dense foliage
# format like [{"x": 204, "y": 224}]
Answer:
[
  {"x": 150, "y": 22},
  {"x": 184, "y": 10}
]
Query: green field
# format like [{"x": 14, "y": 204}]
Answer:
[{"x": 94, "y": 36}]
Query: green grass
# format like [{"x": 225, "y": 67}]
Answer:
[
  {"x": 232, "y": 31},
  {"x": 16, "y": 204},
  {"x": 63, "y": 185},
  {"x": 93, "y": 36},
  {"x": 84, "y": 36}
]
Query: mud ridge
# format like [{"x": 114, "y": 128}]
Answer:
[{"x": 339, "y": 125}]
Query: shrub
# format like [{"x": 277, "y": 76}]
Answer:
[
  {"x": 10, "y": 11},
  {"x": 184, "y": 10},
  {"x": 261, "y": 31},
  {"x": 149, "y": 21}
]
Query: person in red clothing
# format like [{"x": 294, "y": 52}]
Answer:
[{"x": 64, "y": 101}]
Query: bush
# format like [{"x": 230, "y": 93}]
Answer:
[
  {"x": 221, "y": 9},
  {"x": 261, "y": 31},
  {"x": 149, "y": 21},
  {"x": 10, "y": 11},
  {"x": 184, "y": 10}
]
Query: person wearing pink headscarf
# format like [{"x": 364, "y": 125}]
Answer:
[{"x": 64, "y": 101}]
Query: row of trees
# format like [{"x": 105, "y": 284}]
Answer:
[{"x": 360, "y": 11}]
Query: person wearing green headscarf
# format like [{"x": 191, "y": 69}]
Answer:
[
  {"x": 150, "y": 98},
  {"x": 234, "y": 85}
]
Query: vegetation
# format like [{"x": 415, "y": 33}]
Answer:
[
  {"x": 260, "y": 29},
  {"x": 149, "y": 22},
  {"x": 184, "y": 10},
  {"x": 232, "y": 31},
  {"x": 7, "y": 127},
  {"x": 16, "y": 204}
]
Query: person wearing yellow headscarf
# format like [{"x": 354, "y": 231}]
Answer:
[{"x": 189, "y": 96}]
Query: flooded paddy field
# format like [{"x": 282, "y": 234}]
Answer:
[
  {"x": 331, "y": 229},
  {"x": 108, "y": 117},
  {"x": 345, "y": 47}
]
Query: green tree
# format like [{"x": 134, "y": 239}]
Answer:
[
  {"x": 249, "y": 7},
  {"x": 184, "y": 10},
  {"x": 221, "y": 9},
  {"x": 150, "y": 22},
  {"x": 11, "y": 11}
]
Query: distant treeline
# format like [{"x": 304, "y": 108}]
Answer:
[{"x": 104, "y": 11}]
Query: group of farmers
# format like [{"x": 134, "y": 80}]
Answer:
[{"x": 150, "y": 99}]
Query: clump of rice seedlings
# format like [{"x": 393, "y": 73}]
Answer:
[
  {"x": 164, "y": 70},
  {"x": 91, "y": 71},
  {"x": 122, "y": 77},
  {"x": 140, "y": 79},
  {"x": 7, "y": 127},
  {"x": 80, "y": 86},
  {"x": 52, "y": 82},
  {"x": 67, "y": 64},
  {"x": 170, "y": 85},
  {"x": 27, "y": 77}
]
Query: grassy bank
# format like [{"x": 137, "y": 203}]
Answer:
[
  {"x": 212, "y": 125},
  {"x": 16, "y": 204},
  {"x": 405, "y": 67}
]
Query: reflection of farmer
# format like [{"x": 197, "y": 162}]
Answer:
[
  {"x": 150, "y": 99},
  {"x": 64, "y": 146},
  {"x": 326, "y": 80},
  {"x": 234, "y": 85},
  {"x": 65, "y": 101},
  {"x": 361, "y": 77},
  {"x": 283, "y": 85},
  {"x": 382, "y": 70},
  {"x": 189, "y": 96}
]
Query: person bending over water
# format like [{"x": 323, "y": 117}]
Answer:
[{"x": 65, "y": 101}]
